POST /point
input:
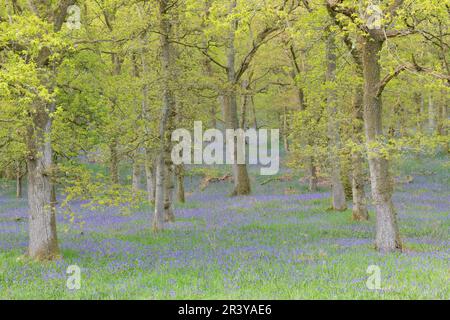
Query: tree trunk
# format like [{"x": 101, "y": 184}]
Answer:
[
  {"x": 285, "y": 129},
  {"x": 387, "y": 233},
  {"x": 240, "y": 174},
  {"x": 158, "y": 218},
  {"x": 18, "y": 182},
  {"x": 53, "y": 200},
  {"x": 208, "y": 67},
  {"x": 114, "y": 162},
  {"x": 149, "y": 177},
  {"x": 43, "y": 242},
  {"x": 418, "y": 98},
  {"x": 253, "y": 108},
  {"x": 297, "y": 69},
  {"x": 149, "y": 164},
  {"x": 179, "y": 171},
  {"x": 245, "y": 98},
  {"x": 360, "y": 212},
  {"x": 169, "y": 187},
  {"x": 136, "y": 176},
  {"x": 313, "y": 180},
  {"x": 168, "y": 112},
  {"x": 443, "y": 123},
  {"x": 213, "y": 109},
  {"x": 346, "y": 176},
  {"x": 337, "y": 188},
  {"x": 432, "y": 116}
]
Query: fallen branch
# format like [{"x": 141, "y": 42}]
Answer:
[
  {"x": 280, "y": 179},
  {"x": 207, "y": 180}
]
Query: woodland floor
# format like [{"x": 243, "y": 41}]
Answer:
[{"x": 279, "y": 243}]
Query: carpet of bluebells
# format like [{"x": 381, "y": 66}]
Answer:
[{"x": 280, "y": 243}]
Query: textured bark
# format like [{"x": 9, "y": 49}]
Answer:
[
  {"x": 149, "y": 163},
  {"x": 337, "y": 188},
  {"x": 150, "y": 177},
  {"x": 240, "y": 174},
  {"x": 253, "y": 109},
  {"x": 358, "y": 196},
  {"x": 213, "y": 108},
  {"x": 158, "y": 217},
  {"x": 179, "y": 172},
  {"x": 313, "y": 180},
  {"x": 443, "y": 121},
  {"x": 242, "y": 185},
  {"x": 208, "y": 67},
  {"x": 43, "y": 241},
  {"x": 18, "y": 182},
  {"x": 53, "y": 200},
  {"x": 387, "y": 233},
  {"x": 244, "y": 107},
  {"x": 346, "y": 176},
  {"x": 285, "y": 129},
  {"x": 116, "y": 61},
  {"x": 168, "y": 112},
  {"x": 136, "y": 169},
  {"x": 360, "y": 212},
  {"x": 169, "y": 188}
]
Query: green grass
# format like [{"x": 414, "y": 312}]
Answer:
[{"x": 263, "y": 249}]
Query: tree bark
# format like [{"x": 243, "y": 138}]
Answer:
[
  {"x": 136, "y": 176},
  {"x": 240, "y": 174},
  {"x": 387, "y": 232},
  {"x": 346, "y": 175},
  {"x": 43, "y": 243},
  {"x": 432, "y": 115},
  {"x": 297, "y": 69},
  {"x": 313, "y": 179},
  {"x": 337, "y": 188},
  {"x": 18, "y": 182},
  {"x": 169, "y": 215},
  {"x": 360, "y": 212},
  {"x": 285, "y": 129},
  {"x": 253, "y": 109},
  {"x": 167, "y": 115},
  {"x": 443, "y": 122},
  {"x": 158, "y": 217},
  {"x": 358, "y": 196},
  {"x": 179, "y": 171},
  {"x": 149, "y": 177},
  {"x": 244, "y": 106},
  {"x": 149, "y": 163}
]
